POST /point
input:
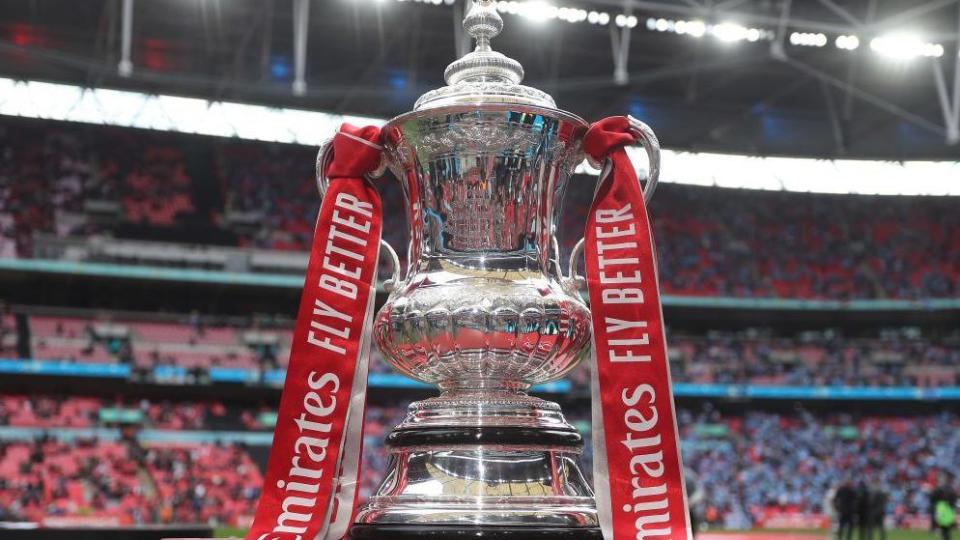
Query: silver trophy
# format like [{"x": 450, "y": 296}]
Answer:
[{"x": 484, "y": 311}]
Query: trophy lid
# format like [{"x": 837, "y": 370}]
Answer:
[{"x": 484, "y": 75}]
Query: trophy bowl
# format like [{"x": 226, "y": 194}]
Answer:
[{"x": 483, "y": 313}]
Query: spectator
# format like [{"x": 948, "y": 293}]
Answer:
[
  {"x": 878, "y": 510},
  {"x": 943, "y": 507},
  {"x": 845, "y": 503}
]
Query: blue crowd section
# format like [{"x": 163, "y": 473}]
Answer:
[
  {"x": 283, "y": 281},
  {"x": 180, "y": 375}
]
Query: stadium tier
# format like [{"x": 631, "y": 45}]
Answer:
[
  {"x": 892, "y": 357},
  {"x": 150, "y": 344},
  {"x": 142, "y": 461},
  {"x": 67, "y": 189}
]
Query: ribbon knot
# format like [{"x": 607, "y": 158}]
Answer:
[
  {"x": 607, "y": 135},
  {"x": 356, "y": 152}
]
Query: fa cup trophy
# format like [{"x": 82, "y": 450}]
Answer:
[{"x": 484, "y": 312}]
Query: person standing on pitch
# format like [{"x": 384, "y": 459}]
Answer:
[
  {"x": 863, "y": 512},
  {"x": 695, "y": 497},
  {"x": 878, "y": 509},
  {"x": 943, "y": 507},
  {"x": 845, "y": 503}
]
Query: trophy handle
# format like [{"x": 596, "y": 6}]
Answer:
[
  {"x": 324, "y": 157},
  {"x": 643, "y": 135}
]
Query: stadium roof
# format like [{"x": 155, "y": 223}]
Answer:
[{"x": 824, "y": 78}]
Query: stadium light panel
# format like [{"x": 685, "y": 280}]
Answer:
[
  {"x": 257, "y": 122},
  {"x": 152, "y": 116},
  {"x": 119, "y": 108},
  {"x": 86, "y": 110},
  {"x": 189, "y": 114}
]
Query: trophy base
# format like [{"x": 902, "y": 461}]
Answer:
[
  {"x": 482, "y": 466},
  {"x": 471, "y": 532}
]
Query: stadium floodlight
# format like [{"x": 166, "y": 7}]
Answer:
[
  {"x": 433, "y": 2},
  {"x": 847, "y": 42},
  {"x": 573, "y": 15},
  {"x": 540, "y": 11},
  {"x": 732, "y": 32},
  {"x": 598, "y": 17},
  {"x": 729, "y": 32},
  {"x": 902, "y": 46},
  {"x": 808, "y": 39},
  {"x": 691, "y": 28},
  {"x": 681, "y": 27},
  {"x": 626, "y": 21},
  {"x": 537, "y": 11}
]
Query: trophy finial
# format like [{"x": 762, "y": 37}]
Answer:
[
  {"x": 483, "y": 23},
  {"x": 484, "y": 64},
  {"x": 483, "y": 75}
]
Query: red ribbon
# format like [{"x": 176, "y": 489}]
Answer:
[
  {"x": 638, "y": 475},
  {"x": 310, "y": 488}
]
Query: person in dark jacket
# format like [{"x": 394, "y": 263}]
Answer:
[
  {"x": 878, "y": 509},
  {"x": 695, "y": 497},
  {"x": 863, "y": 512},
  {"x": 845, "y": 503},
  {"x": 943, "y": 505}
]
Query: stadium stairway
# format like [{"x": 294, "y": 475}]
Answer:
[
  {"x": 147, "y": 483},
  {"x": 198, "y": 160},
  {"x": 260, "y": 455}
]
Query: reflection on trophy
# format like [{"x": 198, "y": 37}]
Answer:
[{"x": 484, "y": 311}]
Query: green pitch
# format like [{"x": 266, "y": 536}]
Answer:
[{"x": 231, "y": 532}]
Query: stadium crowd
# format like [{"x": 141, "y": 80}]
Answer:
[
  {"x": 53, "y": 411},
  {"x": 60, "y": 178},
  {"x": 748, "y": 465},
  {"x": 828, "y": 358},
  {"x": 77, "y": 180},
  {"x": 124, "y": 482}
]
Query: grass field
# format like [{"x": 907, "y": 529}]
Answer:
[
  {"x": 227, "y": 532},
  {"x": 756, "y": 534}
]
